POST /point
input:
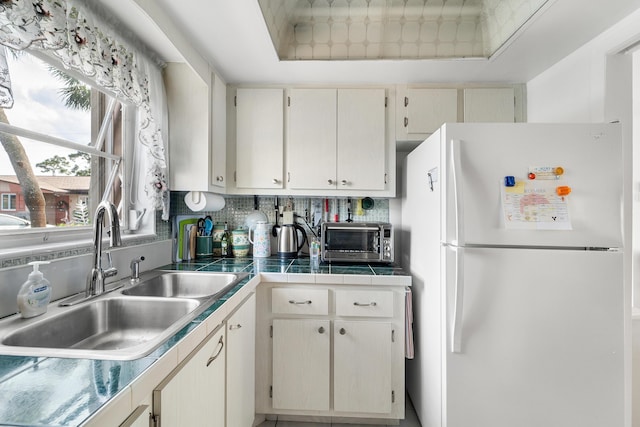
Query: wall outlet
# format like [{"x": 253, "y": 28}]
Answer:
[{"x": 287, "y": 217}]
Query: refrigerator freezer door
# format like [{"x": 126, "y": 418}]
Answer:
[
  {"x": 541, "y": 339},
  {"x": 478, "y": 157}
]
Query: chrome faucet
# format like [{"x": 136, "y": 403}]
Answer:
[{"x": 95, "y": 279}]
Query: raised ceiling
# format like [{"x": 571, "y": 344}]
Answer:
[
  {"x": 393, "y": 29},
  {"x": 232, "y": 36}
]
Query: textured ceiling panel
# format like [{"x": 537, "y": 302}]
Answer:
[{"x": 393, "y": 29}]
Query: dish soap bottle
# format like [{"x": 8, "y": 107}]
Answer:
[
  {"x": 35, "y": 293},
  {"x": 224, "y": 244}
]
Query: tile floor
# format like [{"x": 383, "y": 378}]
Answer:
[{"x": 410, "y": 420}]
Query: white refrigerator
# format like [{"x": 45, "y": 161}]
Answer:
[{"x": 513, "y": 234}]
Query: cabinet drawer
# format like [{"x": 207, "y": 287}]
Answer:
[
  {"x": 364, "y": 303},
  {"x": 300, "y": 301}
]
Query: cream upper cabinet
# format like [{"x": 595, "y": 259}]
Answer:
[
  {"x": 311, "y": 144},
  {"x": 195, "y": 394},
  {"x": 197, "y": 129},
  {"x": 337, "y": 139},
  {"x": 241, "y": 360},
  {"x": 361, "y": 139},
  {"x": 259, "y": 138},
  {"x": 218, "y": 133},
  {"x": 489, "y": 105},
  {"x": 421, "y": 111}
]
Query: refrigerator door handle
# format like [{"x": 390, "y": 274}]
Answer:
[
  {"x": 456, "y": 327},
  {"x": 456, "y": 168}
]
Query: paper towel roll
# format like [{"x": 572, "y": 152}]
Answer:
[{"x": 199, "y": 201}]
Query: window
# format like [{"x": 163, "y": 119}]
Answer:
[
  {"x": 8, "y": 202},
  {"x": 72, "y": 135}
]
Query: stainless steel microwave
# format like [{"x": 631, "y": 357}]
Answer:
[{"x": 357, "y": 241}]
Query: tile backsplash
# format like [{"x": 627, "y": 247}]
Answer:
[{"x": 237, "y": 208}]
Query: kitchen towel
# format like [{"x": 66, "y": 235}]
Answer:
[{"x": 199, "y": 201}]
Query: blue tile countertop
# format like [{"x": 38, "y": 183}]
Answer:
[{"x": 45, "y": 391}]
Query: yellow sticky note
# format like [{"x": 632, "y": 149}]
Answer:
[{"x": 516, "y": 189}]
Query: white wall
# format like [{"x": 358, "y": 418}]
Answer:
[
  {"x": 599, "y": 83},
  {"x": 574, "y": 89}
]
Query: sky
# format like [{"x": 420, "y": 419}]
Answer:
[{"x": 39, "y": 107}]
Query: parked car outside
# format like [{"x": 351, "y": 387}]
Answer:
[{"x": 10, "y": 222}]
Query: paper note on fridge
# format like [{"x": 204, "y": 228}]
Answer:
[{"x": 535, "y": 205}]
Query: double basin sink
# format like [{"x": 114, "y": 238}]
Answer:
[{"x": 124, "y": 324}]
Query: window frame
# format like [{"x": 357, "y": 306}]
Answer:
[
  {"x": 23, "y": 241},
  {"x": 15, "y": 202}
]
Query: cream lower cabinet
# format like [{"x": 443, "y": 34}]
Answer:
[
  {"x": 301, "y": 356},
  {"x": 331, "y": 350},
  {"x": 215, "y": 385},
  {"x": 241, "y": 360},
  {"x": 362, "y": 358},
  {"x": 195, "y": 394},
  {"x": 140, "y": 416}
]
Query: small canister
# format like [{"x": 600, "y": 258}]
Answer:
[
  {"x": 218, "y": 234},
  {"x": 261, "y": 240},
  {"x": 240, "y": 242}
]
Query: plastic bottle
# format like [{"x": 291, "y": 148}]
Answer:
[
  {"x": 35, "y": 293},
  {"x": 314, "y": 253}
]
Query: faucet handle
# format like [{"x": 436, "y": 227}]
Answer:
[{"x": 111, "y": 271}]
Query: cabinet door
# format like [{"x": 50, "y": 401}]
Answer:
[
  {"x": 361, "y": 139},
  {"x": 259, "y": 138},
  {"x": 301, "y": 364},
  {"x": 138, "y": 418},
  {"x": 218, "y": 132},
  {"x": 489, "y": 105},
  {"x": 241, "y": 363},
  {"x": 362, "y": 367},
  {"x": 195, "y": 395},
  {"x": 188, "y": 106},
  {"x": 427, "y": 109},
  {"x": 311, "y": 145}
]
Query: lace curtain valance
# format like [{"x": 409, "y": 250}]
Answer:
[{"x": 77, "y": 37}]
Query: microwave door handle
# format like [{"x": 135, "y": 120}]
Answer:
[{"x": 354, "y": 228}]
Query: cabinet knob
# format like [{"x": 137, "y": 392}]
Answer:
[
  {"x": 330, "y": 181},
  {"x": 219, "y": 178},
  {"x": 276, "y": 181},
  {"x": 321, "y": 330},
  {"x": 344, "y": 182},
  {"x": 342, "y": 331}
]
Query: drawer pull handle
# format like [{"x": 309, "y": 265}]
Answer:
[
  {"x": 238, "y": 326},
  {"x": 359, "y": 304},
  {"x": 321, "y": 330},
  {"x": 299, "y": 302},
  {"x": 215, "y": 356}
]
